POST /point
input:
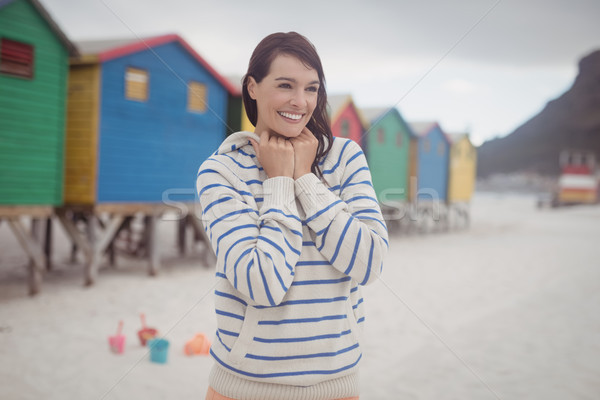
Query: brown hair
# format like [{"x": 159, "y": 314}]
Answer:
[{"x": 298, "y": 46}]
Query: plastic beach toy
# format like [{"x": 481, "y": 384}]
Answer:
[
  {"x": 159, "y": 349},
  {"x": 198, "y": 345},
  {"x": 117, "y": 342},
  {"x": 146, "y": 333}
]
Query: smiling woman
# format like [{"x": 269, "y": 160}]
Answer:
[
  {"x": 291, "y": 66},
  {"x": 297, "y": 229},
  {"x": 285, "y": 105}
]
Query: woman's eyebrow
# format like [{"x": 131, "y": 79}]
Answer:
[{"x": 283, "y": 78}]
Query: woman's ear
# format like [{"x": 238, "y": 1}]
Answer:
[{"x": 252, "y": 87}]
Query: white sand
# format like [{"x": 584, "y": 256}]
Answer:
[{"x": 508, "y": 309}]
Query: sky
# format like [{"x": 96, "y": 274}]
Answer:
[{"x": 478, "y": 66}]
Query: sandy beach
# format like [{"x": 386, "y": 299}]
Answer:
[{"x": 507, "y": 309}]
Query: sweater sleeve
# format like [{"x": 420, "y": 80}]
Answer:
[
  {"x": 256, "y": 247},
  {"x": 350, "y": 229}
]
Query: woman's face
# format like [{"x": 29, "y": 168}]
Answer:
[{"x": 286, "y": 97}]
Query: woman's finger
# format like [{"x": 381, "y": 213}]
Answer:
[
  {"x": 264, "y": 138},
  {"x": 256, "y": 147},
  {"x": 307, "y": 131}
]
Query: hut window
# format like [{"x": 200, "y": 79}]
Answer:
[
  {"x": 399, "y": 139},
  {"x": 426, "y": 145},
  {"x": 380, "y": 136},
  {"x": 440, "y": 149},
  {"x": 197, "y": 97},
  {"x": 16, "y": 58},
  {"x": 456, "y": 151},
  {"x": 345, "y": 128},
  {"x": 136, "y": 84}
]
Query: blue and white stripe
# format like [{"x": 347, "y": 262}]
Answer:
[{"x": 291, "y": 256}]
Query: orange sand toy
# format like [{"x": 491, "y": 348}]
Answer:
[
  {"x": 146, "y": 333},
  {"x": 198, "y": 345}
]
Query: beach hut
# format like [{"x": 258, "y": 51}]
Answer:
[
  {"x": 246, "y": 125},
  {"x": 142, "y": 115},
  {"x": 430, "y": 155},
  {"x": 388, "y": 142},
  {"x": 238, "y": 120},
  {"x": 462, "y": 172},
  {"x": 462, "y": 168},
  {"x": 428, "y": 171},
  {"x": 34, "y": 63},
  {"x": 236, "y": 115},
  {"x": 346, "y": 119}
]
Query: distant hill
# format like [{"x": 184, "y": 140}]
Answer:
[{"x": 571, "y": 121}]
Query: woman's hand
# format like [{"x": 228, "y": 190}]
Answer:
[
  {"x": 275, "y": 154},
  {"x": 305, "y": 151}
]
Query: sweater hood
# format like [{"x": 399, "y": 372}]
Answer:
[{"x": 236, "y": 141}]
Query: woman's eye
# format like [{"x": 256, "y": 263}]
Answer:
[
  {"x": 312, "y": 89},
  {"x": 285, "y": 86}
]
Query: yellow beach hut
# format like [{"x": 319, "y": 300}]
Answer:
[
  {"x": 462, "y": 169},
  {"x": 237, "y": 118}
]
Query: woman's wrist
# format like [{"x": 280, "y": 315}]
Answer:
[
  {"x": 278, "y": 192},
  {"x": 301, "y": 174}
]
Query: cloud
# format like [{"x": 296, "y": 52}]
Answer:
[
  {"x": 459, "y": 86},
  {"x": 533, "y": 32},
  {"x": 418, "y": 55}
]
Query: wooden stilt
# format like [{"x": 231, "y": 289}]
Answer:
[
  {"x": 74, "y": 233},
  {"x": 207, "y": 254},
  {"x": 181, "y": 235},
  {"x": 112, "y": 260},
  {"x": 109, "y": 232},
  {"x": 33, "y": 250},
  {"x": 95, "y": 241},
  {"x": 36, "y": 269},
  {"x": 48, "y": 244},
  {"x": 93, "y": 262},
  {"x": 152, "y": 244},
  {"x": 101, "y": 233}
]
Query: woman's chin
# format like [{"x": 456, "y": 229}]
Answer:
[{"x": 289, "y": 132}]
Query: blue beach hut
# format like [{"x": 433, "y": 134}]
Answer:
[
  {"x": 431, "y": 150},
  {"x": 142, "y": 114}
]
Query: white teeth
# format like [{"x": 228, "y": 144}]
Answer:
[{"x": 291, "y": 116}]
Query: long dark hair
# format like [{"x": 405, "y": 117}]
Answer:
[{"x": 298, "y": 46}]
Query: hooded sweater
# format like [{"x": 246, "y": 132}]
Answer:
[{"x": 291, "y": 257}]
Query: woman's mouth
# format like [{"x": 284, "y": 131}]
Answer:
[{"x": 292, "y": 116}]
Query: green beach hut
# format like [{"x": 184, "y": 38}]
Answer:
[
  {"x": 34, "y": 66},
  {"x": 387, "y": 145},
  {"x": 34, "y": 63}
]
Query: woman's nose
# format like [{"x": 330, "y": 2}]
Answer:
[{"x": 299, "y": 98}]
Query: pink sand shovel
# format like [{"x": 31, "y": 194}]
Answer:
[
  {"x": 146, "y": 333},
  {"x": 117, "y": 342}
]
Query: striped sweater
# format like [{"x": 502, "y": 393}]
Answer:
[{"x": 291, "y": 256}]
